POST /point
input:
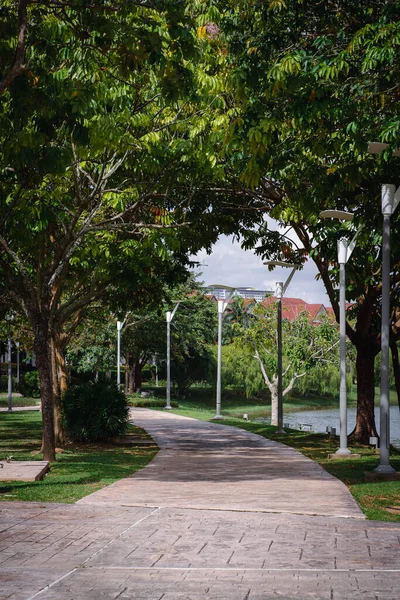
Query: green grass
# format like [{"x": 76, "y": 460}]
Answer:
[
  {"x": 18, "y": 400},
  {"x": 79, "y": 470},
  {"x": 374, "y": 498},
  {"x": 201, "y": 402}
]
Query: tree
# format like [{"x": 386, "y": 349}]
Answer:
[
  {"x": 313, "y": 83},
  {"x": 305, "y": 345},
  {"x": 239, "y": 311},
  {"x": 96, "y": 157}
]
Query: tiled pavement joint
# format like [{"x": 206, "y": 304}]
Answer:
[
  {"x": 120, "y": 535},
  {"x": 52, "y": 584}
]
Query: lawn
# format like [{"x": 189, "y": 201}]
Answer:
[
  {"x": 18, "y": 400},
  {"x": 201, "y": 402},
  {"x": 79, "y": 470}
]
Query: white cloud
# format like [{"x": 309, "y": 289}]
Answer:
[{"x": 230, "y": 265}]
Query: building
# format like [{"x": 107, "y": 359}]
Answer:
[{"x": 243, "y": 292}]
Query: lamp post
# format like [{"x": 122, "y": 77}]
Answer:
[
  {"x": 120, "y": 324},
  {"x": 390, "y": 201},
  {"x": 280, "y": 290},
  {"x": 169, "y": 316},
  {"x": 18, "y": 377},
  {"x": 344, "y": 250},
  {"x": 154, "y": 362},
  {"x": 9, "y": 318},
  {"x": 222, "y": 304}
]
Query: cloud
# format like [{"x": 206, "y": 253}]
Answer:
[{"x": 229, "y": 264}]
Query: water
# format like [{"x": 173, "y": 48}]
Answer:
[{"x": 319, "y": 419}]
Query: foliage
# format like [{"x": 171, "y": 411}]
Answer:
[
  {"x": 304, "y": 345},
  {"x": 313, "y": 84},
  {"x": 193, "y": 329},
  {"x": 238, "y": 312},
  {"x": 29, "y": 384},
  {"x": 111, "y": 137},
  {"x": 4, "y": 383},
  {"x": 92, "y": 347},
  {"x": 239, "y": 370},
  {"x": 150, "y": 402},
  {"x": 95, "y": 412}
]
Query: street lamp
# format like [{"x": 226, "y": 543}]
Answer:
[
  {"x": 344, "y": 252},
  {"x": 280, "y": 290},
  {"x": 17, "y": 345},
  {"x": 9, "y": 318},
  {"x": 169, "y": 317},
  {"x": 154, "y": 363},
  {"x": 120, "y": 325},
  {"x": 222, "y": 304},
  {"x": 390, "y": 200}
]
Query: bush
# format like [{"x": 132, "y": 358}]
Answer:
[
  {"x": 94, "y": 412},
  {"x": 29, "y": 385},
  {"x": 4, "y": 383},
  {"x": 151, "y": 402}
]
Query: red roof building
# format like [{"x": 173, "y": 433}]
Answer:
[{"x": 293, "y": 307}]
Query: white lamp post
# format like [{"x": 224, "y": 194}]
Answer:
[
  {"x": 344, "y": 252},
  {"x": 18, "y": 377},
  {"x": 390, "y": 200},
  {"x": 280, "y": 290},
  {"x": 222, "y": 304},
  {"x": 120, "y": 324},
  {"x": 169, "y": 316}
]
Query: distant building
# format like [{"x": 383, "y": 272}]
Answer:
[
  {"x": 293, "y": 307},
  {"x": 242, "y": 292}
]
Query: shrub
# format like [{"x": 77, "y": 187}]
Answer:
[
  {"x": 151, "y": 402},
  {"x": 94, "y": 412},
  {"x": 29, "y": 385},
  {"x": 4, "y": 383}
]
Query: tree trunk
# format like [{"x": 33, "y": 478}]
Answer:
[
  {"x": 126, "y": 378},
  {"x": 43, "y": 362},
  {"x": 396, "y": 368},
  {"x": 131, "y": 373},
  {"x": 61, "y": 380},
  {"x": 138, "y": 376},
  {"x": 365, "y": 420},
  {"x": 274, "y": 406}
]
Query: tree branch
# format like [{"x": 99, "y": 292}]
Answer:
[{"x": 18, "y": 65}]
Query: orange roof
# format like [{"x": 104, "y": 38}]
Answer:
[{"x": 293, "y": 307}]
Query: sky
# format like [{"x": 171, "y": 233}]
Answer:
[{"x": 230, "y": 265}]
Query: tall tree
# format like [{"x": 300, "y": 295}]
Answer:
[
  {"x": 305, "y": 345},
  {"x": 106, "y": 144},
  {"x": 313, "y": 83}
]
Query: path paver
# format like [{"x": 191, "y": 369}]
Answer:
[
  {"x": 208, "y": 465},
  {"x": 165, "y": 549}
]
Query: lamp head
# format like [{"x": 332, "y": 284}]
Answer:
[
  {"x": 280, "y": 263},
  {"x": 342, "y": 215},
  {"x": 378, "y": 147}
]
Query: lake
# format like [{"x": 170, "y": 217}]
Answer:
[{"x": 319, "y": 419}]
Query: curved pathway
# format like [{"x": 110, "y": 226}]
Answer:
[
  {"x": 220, "y": 514},
  {"x": 205, "y": 465}
]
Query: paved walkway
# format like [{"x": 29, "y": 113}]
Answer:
[
  {"x": 142, "y": 539},
  {"x": 209, "y": 466}
]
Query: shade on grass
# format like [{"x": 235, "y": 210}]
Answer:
[{"x": 79, "y": 469}]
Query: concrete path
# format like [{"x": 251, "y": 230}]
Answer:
[
  {"x": 211, "y": 466},
  {"x": 174, "y": 546}
]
